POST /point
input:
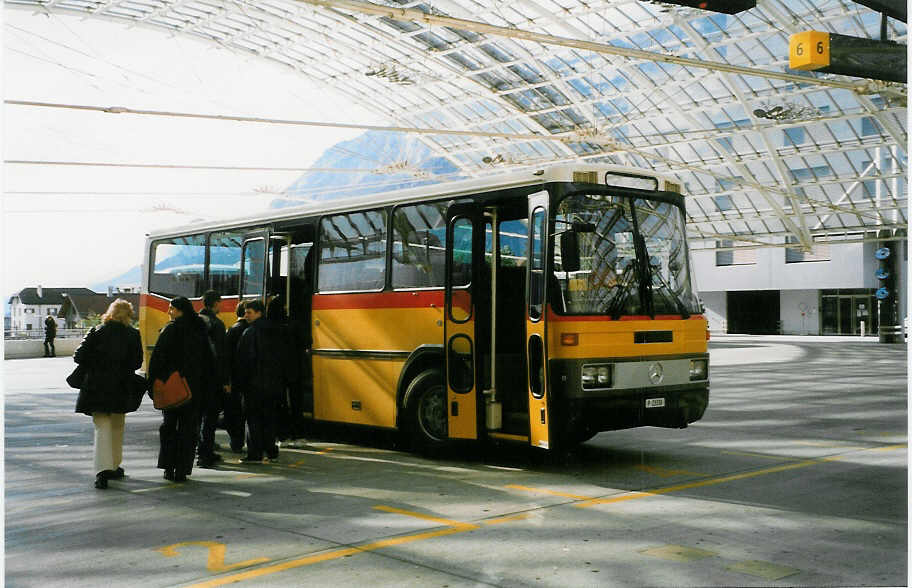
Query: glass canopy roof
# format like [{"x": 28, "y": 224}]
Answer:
[{"x": 767, "y": 155}]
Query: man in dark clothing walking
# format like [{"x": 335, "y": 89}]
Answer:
[
  {"x": 234, "y": 409},
  {"x": 212, "y": 402},
  {"x": 50, "y": 331},
  {"x": 263, "y": 369}
]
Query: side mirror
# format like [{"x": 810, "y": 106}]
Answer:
[{"x": 570, "y": 256}]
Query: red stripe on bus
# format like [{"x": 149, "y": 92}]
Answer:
[
  {"x": 598, "y": 318},
  {"x": 414, "y": 299}
]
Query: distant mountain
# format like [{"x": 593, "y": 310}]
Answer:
[
  {"x": 380, "y": 162},
  {"x": 392, "y": 161}
]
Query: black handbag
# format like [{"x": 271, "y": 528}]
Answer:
[
  {"x": 78, "y": 377},
  {"x": 137, "y": 389}
]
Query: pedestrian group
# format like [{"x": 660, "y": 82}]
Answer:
[{"x": 247, "y": 372}]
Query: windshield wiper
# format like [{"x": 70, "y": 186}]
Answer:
[
  {"x": 670, "y": 294},
  {"x": 620, "y": 298}
]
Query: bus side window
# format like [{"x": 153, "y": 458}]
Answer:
[
  {"x": 418, "y": 251},
  {"x": 225, "y": 262},
  {"x": 353, "y": 252},
  {"x": 178, "y": 266}
]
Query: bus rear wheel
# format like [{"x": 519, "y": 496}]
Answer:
[{"x": 426, "y": 408}]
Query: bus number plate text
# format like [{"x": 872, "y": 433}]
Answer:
[{"x": 655, "y": 402}]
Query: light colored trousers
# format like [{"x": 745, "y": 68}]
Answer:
[{"x": 109, "y": 432}]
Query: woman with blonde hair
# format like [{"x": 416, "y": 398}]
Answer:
[{"x": 111, "y": 353}]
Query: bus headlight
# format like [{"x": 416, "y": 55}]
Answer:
[
  {"x": 596, "y": 376},
  {"x": 698, "y": 368}
]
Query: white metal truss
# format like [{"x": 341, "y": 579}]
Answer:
[{"x": 765, "y": 153}]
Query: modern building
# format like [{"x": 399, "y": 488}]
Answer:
[
  {"x": 30, "y": 306},
  {"x": 831, "y": 290}
]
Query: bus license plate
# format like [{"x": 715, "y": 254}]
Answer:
[{"x": 655, "y": 402}]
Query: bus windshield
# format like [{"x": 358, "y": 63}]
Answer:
[{"x": 632, "y": 258}]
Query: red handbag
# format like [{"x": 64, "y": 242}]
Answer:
[{"x": 171, "y": 393}]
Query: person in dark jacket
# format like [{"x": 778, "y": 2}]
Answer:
[
  {"x": 50, "y": 332},
  {"x": 182, "y": 345},
  {"x": 263, "y": 369},
  {"x": 212, "y": 403},
  {"x": 111, "y": 354},
  {"x": 234, "y": 409}
]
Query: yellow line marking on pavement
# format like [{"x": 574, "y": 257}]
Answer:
[
  {"x": 891, "y": 447},
  {"x": 453, "y": 528},
  {"x": 701, "y": 483},
  {"x": 551, "y": 492},
  {"x": 216, "y": 560},
  {"x": 507, "y": 519},
  {"x": 423, "y": 516},
  {"x": 666, "y": 473},
  {"x": 763, "y": 455}
]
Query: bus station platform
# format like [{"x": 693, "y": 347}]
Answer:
[{"x": 797, "y": 475}]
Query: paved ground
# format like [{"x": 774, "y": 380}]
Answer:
[{"x": 796, "y": 476}]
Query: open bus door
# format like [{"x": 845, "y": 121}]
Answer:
[
  {"x": 536, "y": 322},
  {"x": 464, "y": 262}
]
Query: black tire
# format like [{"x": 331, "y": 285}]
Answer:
[{"x": 426, "y": 410}]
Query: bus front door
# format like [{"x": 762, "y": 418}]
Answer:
[
  {"x": 464, "y": 260},
  {"x": 253, "y": 266},
  {"x": 536, "y": 322}
]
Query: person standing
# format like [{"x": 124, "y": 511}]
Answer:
[
  {"x": 50, "y": 332},
  {"x": 263, "y": 367},
  {"x": 182, "y": 346},
  {"x": 234, "y": 409},
  {"x": 111, "y": 354},
  {"x": 211, "y": 403}
]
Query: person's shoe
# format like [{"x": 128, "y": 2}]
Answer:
[
  {"x": 118, "y": 474},
  {"x": 251, "y": 459},
  {"x": 274, "y": 454},
  {"x": 180, "y": 478},
  {"x": 101, "y": 481},
  {"x": 169, "y": 475}
]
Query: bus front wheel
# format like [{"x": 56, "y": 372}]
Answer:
[{"x": 425, "y": 406}]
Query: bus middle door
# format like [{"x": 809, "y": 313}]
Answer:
[
  {"x": 536, "y": 321},
  {"x": 464, "y": 260}
]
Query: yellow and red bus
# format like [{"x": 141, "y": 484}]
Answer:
[{"x": 540, "y": 306}]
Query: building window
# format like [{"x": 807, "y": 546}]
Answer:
[
  {"x": 727, "y": 253},
  {"x": 819, "y": 252}
]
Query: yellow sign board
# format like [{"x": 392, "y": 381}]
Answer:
[{"x": 809, "y": 50}]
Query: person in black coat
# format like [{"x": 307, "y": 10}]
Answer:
[
  {"x": 211, "y": 404},
  {"x": 182, "y": 345},
  {"x": 111, "y": 355},
  {"x": 50, "y": 332},
  {"x": 263, "y": 369},
  {"x": 234, "y": 409}
]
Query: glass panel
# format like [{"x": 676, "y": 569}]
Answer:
[
  {"x": 353, "y": 252},
  {"x": 461, "y": 278},
  {"x": 609, "y": 276},
  {"x": 662, "y": 226},
  {"x": 460, "y": 365},
  {"x": 536, "y": 366},
  {"x": 225, "y": 262},
  {"x": 419, "y": 233},
  {"x": 254, "y": 266},
  {"x": 829, "y": 315},
  {"x": 845, "y": 316},
  {"x": 536, "y": 273},
  {"x": 462, "y": 252},
  {"x": 178, "y": 266},
  {"x": 514, "y": 242}
]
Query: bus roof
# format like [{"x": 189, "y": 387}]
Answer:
[{"x": 528, "y": 177}]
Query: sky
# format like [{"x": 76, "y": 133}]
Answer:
[{"x": 71, "y": 226}]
